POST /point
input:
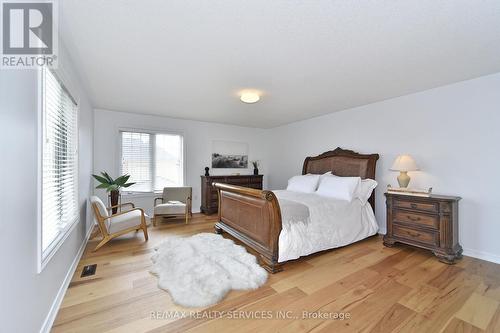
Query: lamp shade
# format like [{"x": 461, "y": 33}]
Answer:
[{"x": 404, "y": 163}]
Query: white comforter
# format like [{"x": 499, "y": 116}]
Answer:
[{"x": 312, "y": 223}]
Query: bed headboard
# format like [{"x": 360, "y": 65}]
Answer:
[{"x": 345, "y": 163}]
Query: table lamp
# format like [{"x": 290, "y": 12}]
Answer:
[{"x": 403, "y": 164}]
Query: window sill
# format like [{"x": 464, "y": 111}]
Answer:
[
  {"x": 140, "y": 194},
  {"x": 43, "y": 260}
]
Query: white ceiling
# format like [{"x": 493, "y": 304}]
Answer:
[{"x": 188, "y": 58}]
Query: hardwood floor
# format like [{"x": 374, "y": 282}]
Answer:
[{"x": 399, "y": 289}]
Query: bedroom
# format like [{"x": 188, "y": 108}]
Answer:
[{"x": 165, "y": 83}]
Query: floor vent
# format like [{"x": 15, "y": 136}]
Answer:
[{"x": 88, "y": 270}]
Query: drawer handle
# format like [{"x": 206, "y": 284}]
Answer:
[
  {"x": 414, "y": 219},
  {"x": 414, "y": 206}
]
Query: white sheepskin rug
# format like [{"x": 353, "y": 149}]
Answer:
[{"x": 200, "y": 270}]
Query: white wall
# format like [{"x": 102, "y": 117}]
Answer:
[
  {"x": 453, "y": 132},
  {"x": 198, "y": 137},
  {"x": 27, "y": 297}
]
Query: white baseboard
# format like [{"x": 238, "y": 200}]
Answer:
[
  {"x": 482, "y": 255},
  {"x": 51, "y": 316}
]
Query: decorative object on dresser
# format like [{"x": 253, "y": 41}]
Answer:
[
  {"x": 206, "y": 171},
  {"x": 255, "y": 167},
  {"x": 403, "y": 164},
  {"x": 427, "y": 222},
  {"x": 209, "y": 198},
  {"x": 419, "y": 192}
]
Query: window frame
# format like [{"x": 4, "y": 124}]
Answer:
[
  {"x": 43, "y": 260},
  {"x": 152, "y": 131}
]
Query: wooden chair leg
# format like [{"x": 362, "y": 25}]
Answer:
[
  {"x": 144, "y": 227},
  {"x": 187, "y": 218},
  {"x": 101, "y": 243},
  {"x": 154, "y": 220}
]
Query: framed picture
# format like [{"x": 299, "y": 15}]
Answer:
[{"x": 229, "y": 155}]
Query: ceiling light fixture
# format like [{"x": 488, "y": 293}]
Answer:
[{"x": 249, "y": 97}]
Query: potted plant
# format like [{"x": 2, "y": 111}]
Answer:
[
  {"x": 112, "y": 186},
  {"x": 255, "y": 167}
]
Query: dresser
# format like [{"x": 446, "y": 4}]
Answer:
[
  {"x": 427, "y": 222},
  {"x": 209, "y": 198}
]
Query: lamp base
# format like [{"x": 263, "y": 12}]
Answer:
[{"x": 403, "y": 179}]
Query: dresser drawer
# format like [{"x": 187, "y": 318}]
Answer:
[
  {"x": 425, "y": 237},
  {"x": 414, "y": 218},
  {"x": 414, "y": 205},
  {"x": 237, "y": 181},
  {"x": 216, "y": 180}
]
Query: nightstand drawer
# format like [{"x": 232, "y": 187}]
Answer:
[
  {"x": 431, "y": 221},
  {"x": 409, "y": 234},
  {"x": 423, "y": 206}
]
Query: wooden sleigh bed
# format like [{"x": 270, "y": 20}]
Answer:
[{"x": 254, "y": 217}]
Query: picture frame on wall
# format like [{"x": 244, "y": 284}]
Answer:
[{"x": 229, "y": 155}]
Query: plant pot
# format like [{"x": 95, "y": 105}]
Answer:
[
  {"x": 114, "y": 197},
  {"x": 256, "y": 172}
]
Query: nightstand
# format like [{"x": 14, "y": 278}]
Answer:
[{"x": 427, "y": 222}]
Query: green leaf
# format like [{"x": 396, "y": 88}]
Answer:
[
  {"x": 105, "y": 174},
  {"x": 101, "y": 179},
  {"x": 103, "y": 186},
  {"x": 120, "y": 181},
  {"x": 128, "y": 184}
]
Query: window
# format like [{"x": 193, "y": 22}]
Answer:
[
  {"x": 153, "y": 160},
  {"x": 59, "y": 163}
]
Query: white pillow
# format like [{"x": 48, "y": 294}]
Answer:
[
  {"x": 329, "y": 173},
  {"x": 365, "y": 189},
  {"x": 342, "y": 188},
  {"x": 305, "y": 183}
]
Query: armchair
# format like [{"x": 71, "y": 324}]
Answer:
[
  {"x": 114, "y": 225},
  {"x": 175, "y": 202}
]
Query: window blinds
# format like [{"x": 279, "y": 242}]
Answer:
[
  {"x": 137, "y": 154},
  {"x": 153, "y": 160},
  {"x": 59, "y": 161}
]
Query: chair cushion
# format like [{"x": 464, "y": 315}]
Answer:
[
  {"x": 100, "y": 205},
  {"x": 170, "y": 208},
  {"x": 176, "y": 193},
  {"x": 127, "y": 220}
]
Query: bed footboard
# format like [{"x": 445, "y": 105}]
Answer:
[{"x": 253, "y": 217}]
